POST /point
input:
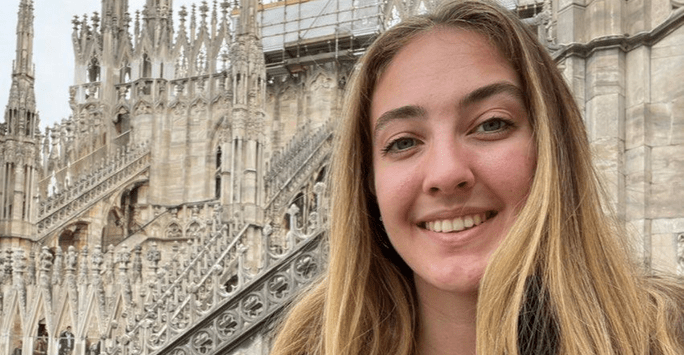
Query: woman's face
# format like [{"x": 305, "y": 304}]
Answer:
[{"x": 453, "y": 155}]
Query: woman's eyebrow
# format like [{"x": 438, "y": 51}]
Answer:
[
  {"x": 485, "y": 92},
  {"x": 409, "y": 111},
  {"x": 473, "y": 97}
]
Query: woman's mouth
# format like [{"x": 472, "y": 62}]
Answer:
[{"x": 457, "y": 224}]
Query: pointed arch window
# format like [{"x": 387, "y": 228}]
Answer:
[
  {"x": 125, "y": 72},
  {"x": 75, "y": 234},
  {"x": 219, "y": 156},
  {"x": 113, "y": 230}
]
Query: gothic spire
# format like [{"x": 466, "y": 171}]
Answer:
[
  {"x": 19, "y": 136},
  {"x": 156, "y": 13},
  {"x": 114, "y": 14},
  {"x": 248, "y": 18},
  {"x": 20, "y": 115},
  {"x": 24, "y": 60}
]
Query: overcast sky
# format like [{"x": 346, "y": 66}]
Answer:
[{"x": 53, "y": 52}]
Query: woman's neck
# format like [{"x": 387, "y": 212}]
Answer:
[{"x": 446, "y": 321}]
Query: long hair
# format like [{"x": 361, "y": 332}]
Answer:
[{"x": 561, "y": 282}]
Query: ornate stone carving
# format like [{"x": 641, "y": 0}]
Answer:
[{"x": 45, "y": 266}]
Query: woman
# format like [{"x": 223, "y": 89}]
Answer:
[{"x": 463, "y": 190}]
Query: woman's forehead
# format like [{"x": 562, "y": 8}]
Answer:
[{"x": 445, "y": 62}]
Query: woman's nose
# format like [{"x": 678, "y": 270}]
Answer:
[{"x": 448, "y": 169}]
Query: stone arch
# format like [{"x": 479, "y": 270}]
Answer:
[
  {"x": 194, "y": 230},
  {"x": 178, "y": 108},
  {"x": 122, "y": 120},
  {"x": 130, "y": 202},
  {"x": 125, "y": 71},
  {"x": 173, "y": 231},
  {"x": 198, "y": 107},
  {"x": 142, "y": 108},
  {"x": 112, "y": 232},
  {"x": 76, "y": 234}
]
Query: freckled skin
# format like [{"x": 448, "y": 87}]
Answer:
[{"x": 453, "y": 158}]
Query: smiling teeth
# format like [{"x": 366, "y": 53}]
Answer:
[{"x": 457, "y": 224}]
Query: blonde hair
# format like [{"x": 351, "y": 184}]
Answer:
[{"x": 561, "y": 282}]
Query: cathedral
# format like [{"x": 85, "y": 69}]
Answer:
[{"x": 182, "y": 205}]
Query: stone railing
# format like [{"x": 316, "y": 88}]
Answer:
[
  {"x": 287, "y": 168},
  {"x": 153, "y": 90},
  {"x": 121, "y": 287},
  {"x": 257, "y": 302},
  {"x": 149, "y": 299},
  {"x": 108, "y": 176},
  {"x": 231, "y": 279}
]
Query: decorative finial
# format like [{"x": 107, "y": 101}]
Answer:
[
  {"x": 225, "y": 6},
  {"x": 76, "y": 23},
  {"x": 183, "y": 13},
  {"x": 214, "y": 13},
  {"x": 204, "y": 8},
  {"x": 127, "y": 20},
  {"x": 96, "y": 20},
  {"x": 137, "y": 22}
]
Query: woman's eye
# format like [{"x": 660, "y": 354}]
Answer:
[
  {"x": 493, "y": 125},
  {"x": 400, "y": 144}
]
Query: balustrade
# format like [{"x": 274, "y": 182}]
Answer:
[
  {"x": 170, "y": 292},
  {"x": 64, "y": 205},
  {"x": 288, "y": 167}
]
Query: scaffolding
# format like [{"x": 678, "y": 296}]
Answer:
[{"x": 299, "y": 33}]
